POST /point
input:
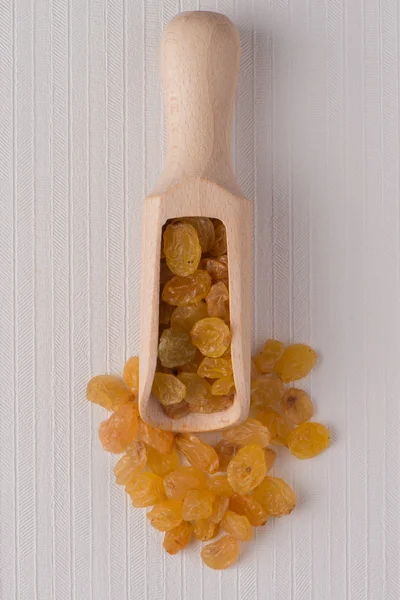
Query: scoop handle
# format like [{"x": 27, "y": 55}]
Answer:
[{"x": 200, "y": 58}]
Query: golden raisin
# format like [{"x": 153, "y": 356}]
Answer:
[
  {"x": 211, "y": 336},
  {"x": 249, "y": 432},
  {"x": 178, "y": 538},
  {"x": 221, "y": 554},
  {"x": 179, "y": 482},
  {"x": 175, "y": 348},
  {"x": 238, "y": 526},
  {"x": 162, "y": 441},
  {"x": 215, "y": 368},
  {"x": 197, "y": 504},
  {"x": 247, "y": 469},
  {"x": 267, "y": 357},
  {"x": 177, "y": 411},
  {"x": 297, "y": 406},
  {"x": 266, "y": 391},
  {"x": 181, "y": 248},
  {"x": 220, "y": 246},
  {"x": 108, "y": 391},
  {"x": 198, "y": 390},
  {"x": 127, "y": 468},
  {"x": 250, "y": 508},
  {"x": 168, "y": 389},
  {"x": 204, "y": 228},
  {"x": 165, "y": 515},
  {"x": 296, "y": 362},
  {"x": 185, "y": 317},
  {"x": 219, "y": 508},
  {"x": 220, "y": 486},
  {"x": 223, "y": 386},
  {"x": 217, "y": 268},
  {"x": 198, "y": 453},
  {"x": 218, "y": 302},
  {"x": 181, "y": 291},
  {"x": 225, "y": 450},
  {"x": 131, "y": 374},
  {"x": 146, "y": 489},
  {"x": 308, "y": 440},
  {"x": 119, "y": 430},
  {"x": 162, "y": 464},
  {"x": 270, "y": 458},
  {"x": 277, "y": 425},
  {"x": 275, "y": 496},
  {"x": 205, "y": 530}
]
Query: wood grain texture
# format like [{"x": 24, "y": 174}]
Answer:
[
  {"x": 200, "y": 62},
  {"x": 315, "y": 129}
]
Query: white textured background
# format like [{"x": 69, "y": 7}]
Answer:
[{"x": 316, "y": 140}]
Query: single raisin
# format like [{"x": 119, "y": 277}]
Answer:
[
  {"x": 221, "y": 554},
  {"x": 175, "y": 348},
  {"x": 296, "y": 362},
  {"x": 181, "y": 291},
  {"x": 168, "y": 389},
  {"x": 308, "y": 440},
  {"x": 275, "y": 496},
  {"x": 247, "y": 469},
  {"x": 211, "y": 336},
  {"x": 297, "y": 406},
  {"x": 181, "y": 248},
  {"x": 165, "y": 515},
  {"x": 215, "y": 368},
  {"x": 108, "y": 391}
]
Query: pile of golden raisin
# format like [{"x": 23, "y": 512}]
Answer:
[
  {"x": 194, "y": 370},
  {"x": 225, "y": 488}
]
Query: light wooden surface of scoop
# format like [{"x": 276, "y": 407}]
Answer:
[{"x": 200, "y": 53}]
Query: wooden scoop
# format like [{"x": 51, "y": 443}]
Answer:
[{"x": 200, "y": 54}]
